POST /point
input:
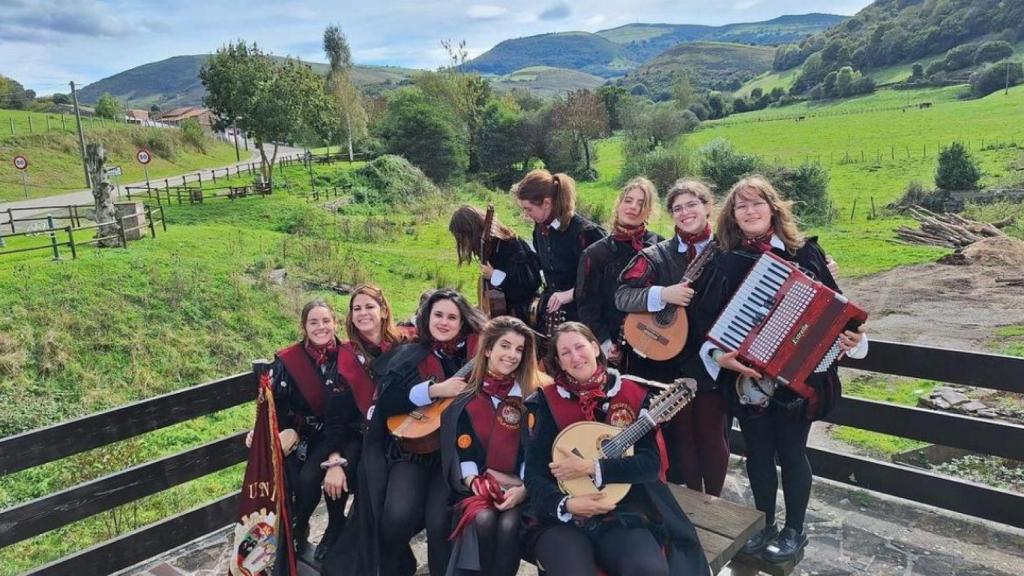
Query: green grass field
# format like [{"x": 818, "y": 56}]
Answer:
[{"x": 55, "y": 165}]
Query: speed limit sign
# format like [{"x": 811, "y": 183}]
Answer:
[
  {"x": 143, "y": 156},
  {"x": 20, "y": 162}
]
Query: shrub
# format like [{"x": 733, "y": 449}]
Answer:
[
  {"x": 425, "y": 132},
  {"x": 723, "y": 166},
  {"x": 193, "y": 135},
  {"x": 959, "y": 57},
  {"x": 807, "y": 187},
  {"x": 995, "y": 77},
  {"x": 957, "y": 170},
  {"x": 392, "y": 180},
  {"x": 992, "y": 52},
  {"x": 663, "y": 166},
  {"x": 108, "y": 107}
]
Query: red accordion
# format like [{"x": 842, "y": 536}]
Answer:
[{"x": 783, "y": 323}]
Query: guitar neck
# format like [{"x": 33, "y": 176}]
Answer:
[{"x": 622, "y": 441}]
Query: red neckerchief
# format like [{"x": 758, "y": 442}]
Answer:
[
  {"x": 692, "y": 240},
  {"x": 498, "y": 386},
  {"x": 634, "y": 235},
  {"x": 589, "y": 392},
  {"x": 370, "y": 349},
  {"x": 762, "y": 243},
  {"x": 449, "y": 348},
  {"x": 321, "y": 354}
]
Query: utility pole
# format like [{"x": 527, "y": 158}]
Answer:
[
  {"x": 234, "y": 129},
  {"x": 81, "y": 137},
  {"x": 1006, "y": 89}
]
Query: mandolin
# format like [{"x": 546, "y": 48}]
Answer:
[
  {"x": 491, "y": 300},
  {"x": 419, "y": 431},
  {"x": 662, "y": 335},
  {"x": 595, "y": 440}
]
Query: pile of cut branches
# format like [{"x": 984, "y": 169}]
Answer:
[{"x": 948, "y": 230}]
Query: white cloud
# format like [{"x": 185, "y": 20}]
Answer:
[
  {"x": 594, "y": 20},
  {"x": 745, "y": 4},
  {"x": 486, "y": 12}
]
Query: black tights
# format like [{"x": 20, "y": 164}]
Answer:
[
  {"x": 566, "y": 550},
  {"x": 776, "y": 434},
  {"x": 416, "y": 498},
  {"x": 498, "y": 532},
  {"x": 305, "y": 480}
]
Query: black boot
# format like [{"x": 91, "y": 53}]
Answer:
[
  {"x": 761, "y": 540},
  {"x": 300, "y": 535},
  {"x": 789, "y": 544},
  {"x": 334, "y": 529}
]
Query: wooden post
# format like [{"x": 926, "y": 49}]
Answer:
[
  {"x": 854, "y": 209},
  {"x": 163, "y": 221},
  {"x": 71, "y": 242},
  {"x": 183, "y": 182},
  {"x": 214, "y": 174},
  {"x": 30, "y": 124},
  {"x": 47, "y": 122},
  {"x": 63, "y": 124},
  {"x": 149, "y": 218},
  {"x": 873, "y": 215},
  {"x": 121, "y": 234},
  {"x": 10, "y": 219},
  {"x": 179, "y": 196},
  {"x": 53, "y": 237},
  {"x": 200, "y": 179}
]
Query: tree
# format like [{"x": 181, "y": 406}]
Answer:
[
  {"x": 103, "y": 199},
  {"x": 425, "y": 133},
  {"x": 269, "y": 100},
  {"x": 683, "y": 93},
  {"x": 996, "y": 77},
  {"x": 917, "y": 72},
  {"x": 108, "y": 107},
  {"x": 992, "y": 52},
  {"x": 806, "y": 186},
  {"x": 582, "y": 116},
  {"x": 615, "y": 99},
  {"x": 347, "y": 100},
  {"x": 500, "y": 144},
  {"x": 59, "y": 98},
  {"x": 957, "y": 170},
  {"x": 716, "y": 106}
]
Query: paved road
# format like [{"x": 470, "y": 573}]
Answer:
[{"x": 85, "y": 196}]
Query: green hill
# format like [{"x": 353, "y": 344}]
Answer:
[
  {"x": 709, "y": 65},
  {"x": 545, "y": 81},
  {"x": 581, "y": 51},
  {"x": 609, "y": 53},
  {"x": 175, "y": 82},
  {"x": 645, "y": 41}
]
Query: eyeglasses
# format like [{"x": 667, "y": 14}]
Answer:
[
  {"x": 752, "y": 206},
  {"x": 689, "y": 206}
]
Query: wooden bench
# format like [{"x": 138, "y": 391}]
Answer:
[{"x": 238, "y": 191}]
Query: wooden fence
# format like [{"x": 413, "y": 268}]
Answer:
[
  {"x": 37, "y": 447},
  {"x": 149, "y": 219}
]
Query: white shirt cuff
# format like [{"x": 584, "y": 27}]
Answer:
[
  {"x": 562, "y": 512},
  {"x": 469, "y": 469},
  {"x": 419, "y": 394},
  {"x": 860, "y": 350},
  {"x": 709, "y": 363},
  {"x": 654, "y": 301},
  {"x": 597, "y": 474},
  {"x": 497, "y": 277}
]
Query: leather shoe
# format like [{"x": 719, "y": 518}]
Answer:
[
  {"x": 761, "y": 540},
  {"x": 328, "y": 540},
  {"x": 789, "y": 544}
]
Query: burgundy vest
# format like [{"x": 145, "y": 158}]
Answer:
[
  {"x": 306, "y": 375},
  {"x": 497, "y": 429}
]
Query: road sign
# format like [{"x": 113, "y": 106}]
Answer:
[
  {"x": 143, "y": 156},
  {"x": 20, "y": 162},
  {"x": 113, "y": 171}
]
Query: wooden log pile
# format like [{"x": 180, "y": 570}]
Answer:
[{"x": 948, "y": 230}]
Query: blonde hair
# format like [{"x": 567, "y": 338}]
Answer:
[
  {"x": 527, "y": 373},
  {"x": 784, "y": 224},
  {"x": 560, "y": 188},
  {"x": 650, "y": 201}
]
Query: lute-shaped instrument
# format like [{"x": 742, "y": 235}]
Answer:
[{"x": 596, "y": 440}]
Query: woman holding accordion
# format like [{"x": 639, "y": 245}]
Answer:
[{"x": 755, "y": 220}]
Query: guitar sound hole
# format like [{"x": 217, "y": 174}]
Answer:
[{"x": 664, "y": 317}]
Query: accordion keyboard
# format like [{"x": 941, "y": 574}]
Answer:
[{"x": 751, "y": 304}]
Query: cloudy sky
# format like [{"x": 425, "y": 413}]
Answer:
[{"x": 46, "y": 43}]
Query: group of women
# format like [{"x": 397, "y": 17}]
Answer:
[{"x": 489, "y": 495}]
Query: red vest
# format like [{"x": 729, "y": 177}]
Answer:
[
  {"x": 306, "y": 375},
  {"x": 497, "y": 429},
  {"x": 623, "y": 408},
  {"x": 430, "y": 366},
  {"x": 355, "y": 371}
]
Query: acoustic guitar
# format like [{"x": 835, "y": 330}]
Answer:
[
  {"x": 662, "y": 335},
  {"x": 491, "y": 300},
  {"x": 590, "y": 440},
  {"x": 419, "y": 431}
]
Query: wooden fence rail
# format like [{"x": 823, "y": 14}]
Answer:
[{"x": 37, "y": 447}]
